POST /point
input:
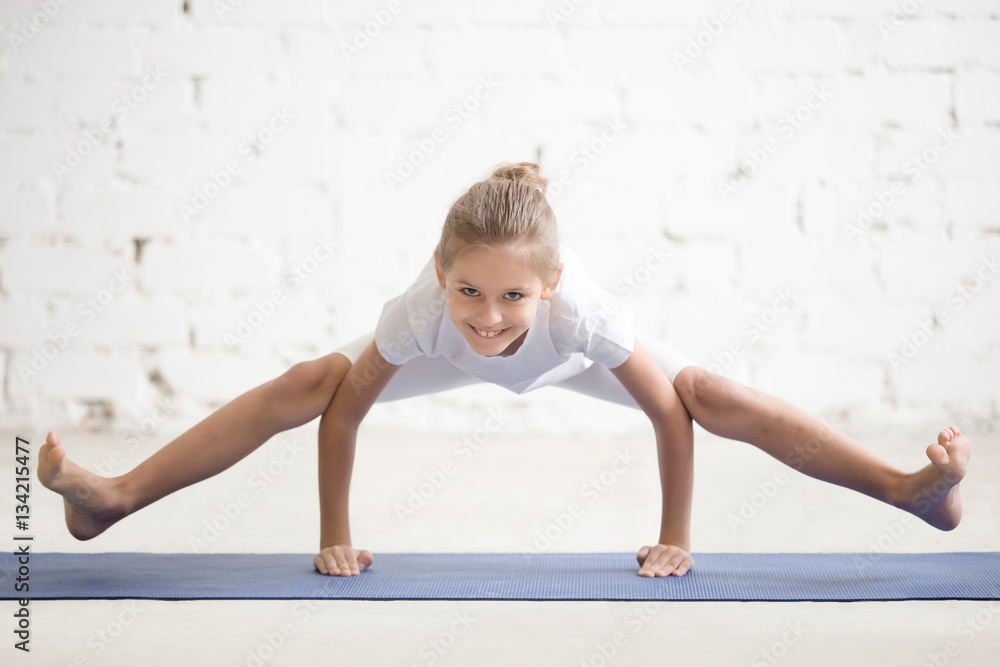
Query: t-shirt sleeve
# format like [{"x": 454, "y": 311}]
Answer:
[
  {"x": 602, "y": 331},
  {"x": 589, "y": 319},
  {"x": 608, "y": 334},
  {"x": 394, "y": 333}
]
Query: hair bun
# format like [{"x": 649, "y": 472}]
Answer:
[{"x": 526, "y": 173}]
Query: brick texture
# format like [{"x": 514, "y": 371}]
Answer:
[{"x": 170, "y": 173}]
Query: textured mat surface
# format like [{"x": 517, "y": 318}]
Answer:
[{"x": 476, "y": 576}]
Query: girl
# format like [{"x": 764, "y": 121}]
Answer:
[{"x": 502, "y": 301}]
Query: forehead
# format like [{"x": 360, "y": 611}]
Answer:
[{"x": 486, "y": 267}]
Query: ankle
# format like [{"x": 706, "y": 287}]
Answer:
[
  {"x": 899, "y": 490},
  {"x": 122, "y": 497}
]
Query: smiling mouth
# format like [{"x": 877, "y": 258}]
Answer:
[{"x": 488, "y": 335}]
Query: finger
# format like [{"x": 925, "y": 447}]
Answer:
[
  {"x": 664, "y": 565},
  {"x": 342, "y": 564},
  {"x": 653, "y": 563},
  {"x": 352, "y": 561},
  {"x": 682, "y": 569},
  {"x": 646, "y": 565},
  {"x": 676, "y": 560},
  {"x": 365, "y": 559},
  {"x": 641, "y": 556},
  {"x": 330, "y": 558},
  {"x": 669, "y": 560},
  {"x": 331, "y": 563},
  {"x": 319, "y": 564}
]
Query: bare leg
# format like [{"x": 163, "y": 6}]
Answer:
[
  {"x": 94, "y": 503},
  {"x": 798, "y": 439}
]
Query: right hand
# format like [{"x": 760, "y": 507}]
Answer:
[{"x": 343, "y": 560}]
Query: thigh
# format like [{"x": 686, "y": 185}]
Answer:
[
  {"x": 599, "y": 382},
  {"x": 418, "y": 376}
]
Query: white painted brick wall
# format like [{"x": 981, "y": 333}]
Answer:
[
  {"x": 43, "y": 270},
  {"x": 25, "y": 212},
  {"x": 208, "y": 267},
  {"x": 896, "y": 82},
  {"x": 216, "y": 377},
  {"x": 77, "y": 375},
  {"x": 22, "y": 323},
  {"x": 57, "y": 53}
]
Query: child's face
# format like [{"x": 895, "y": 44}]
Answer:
[{"x": 489, "y": 289}]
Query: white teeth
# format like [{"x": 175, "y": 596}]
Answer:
[{"x": 493, "y": 334}]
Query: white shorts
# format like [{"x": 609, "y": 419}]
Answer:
[{"x": 426, "y": 375}]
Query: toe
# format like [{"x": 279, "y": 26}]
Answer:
[
  {"x": 945, "y": 436},
  {"x": 49, "y": 464},
  {"x": 937, "y": 454}
]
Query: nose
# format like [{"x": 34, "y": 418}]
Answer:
[{"x": 490, "y": 316}]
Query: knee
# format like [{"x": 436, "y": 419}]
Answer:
[
  {"x": 701, "y": 389},
  {"x": 317, "y": 378}
]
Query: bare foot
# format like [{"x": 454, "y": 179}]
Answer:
[
  {"x": 92, "y": 502},
  {"x": 932, "y": 493}
]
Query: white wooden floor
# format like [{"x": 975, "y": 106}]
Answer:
[{"x": 495, "y": 501}]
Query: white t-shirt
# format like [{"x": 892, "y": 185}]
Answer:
[{"x": 581, "y": 324}]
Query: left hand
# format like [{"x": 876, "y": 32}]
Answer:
[{"x": 663, "y": 560}]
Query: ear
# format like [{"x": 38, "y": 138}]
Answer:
[
  {"x": 549, "y": 290},
  {"x": 437, "y": 268}
]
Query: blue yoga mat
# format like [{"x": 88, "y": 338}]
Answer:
[{"x": 841, "y": 577}]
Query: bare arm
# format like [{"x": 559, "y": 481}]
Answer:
[
  {"x": 675, "y": 453},
  {"x": 338, "y": 428},
  {"x": 655, "y": 394}
]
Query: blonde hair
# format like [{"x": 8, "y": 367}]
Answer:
[{"x": 507, "y": 209}]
